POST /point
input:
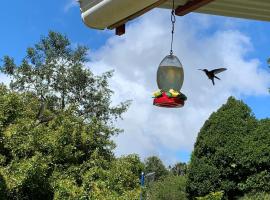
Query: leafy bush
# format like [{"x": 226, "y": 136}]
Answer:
[
  {"x": 171, "y": 187},
  {"x": 256, "y": 196},
  {"x": 154, "y": 164},
  {"x": 257, "y": 182},
  {"x": 212, "y": 196},
  {"x": 3, "y": 188}
]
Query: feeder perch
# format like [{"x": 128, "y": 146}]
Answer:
[{"x": 169, "y": 102}]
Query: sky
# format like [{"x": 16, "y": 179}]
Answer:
[{"x": 201, "y": 41}]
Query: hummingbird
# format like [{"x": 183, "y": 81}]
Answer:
[{"x": 212, "y": 74}]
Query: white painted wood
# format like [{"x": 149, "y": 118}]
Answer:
[
  {"x": 100, "y": 14},
  {"x": 247, "y": 9}
]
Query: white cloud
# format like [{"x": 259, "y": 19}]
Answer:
[
  {"x": 70, "y": 4},
  {"x": 135, "y": 57},
  {"x": 4, "y": 79}
]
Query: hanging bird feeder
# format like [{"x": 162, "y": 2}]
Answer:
[{"x": 170, "y": 78}]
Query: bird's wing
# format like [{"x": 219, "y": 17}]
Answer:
[{"x": 216, "y": 71}]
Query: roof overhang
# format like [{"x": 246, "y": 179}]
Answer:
[
  {"x": 114, "y": 14},
  {"x": 247, "y": 9}
]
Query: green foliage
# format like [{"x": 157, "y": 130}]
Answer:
[
  {"x": 56, "y": 124},
  {"x": 256, "y": 196},
  {"x": 154, "y": 164},
  {"x": 120, "y": 182},
  {"x": 216, "y": 163},
  {"x": 179, "y": 169},
  {"x": 3, "y": 188},
  {"x": 257, "y": 182},
  {"x": 255, "y": 159},
  {"x": 231, "y": 154},
  {"x": 55, "y": 73},
  {"x": 26, "y": 178},
  {"x": 171, "y": 187},
  {"x": 212, "y": 196}
]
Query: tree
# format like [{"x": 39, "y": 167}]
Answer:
[
  {"x": 56, "y": 124},
  {"x": 255, "y": 159},
  {"x": 154, "y": 164},
  {"x": 257, "y": 196},
  {"x": 179, "y": 169},
  {"x": 220, "y": 160},
  {"x": 171, "y": 187},
  {"x": 55, "y": 73},
  {"x": 3, "y": 188}
]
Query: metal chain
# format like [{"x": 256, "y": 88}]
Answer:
[{"x": 173, "y": 20}]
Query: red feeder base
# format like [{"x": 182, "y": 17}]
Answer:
[{"x": 168, "y": 102}]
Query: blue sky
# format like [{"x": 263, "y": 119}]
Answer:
[{"x": 24, "y": 22}]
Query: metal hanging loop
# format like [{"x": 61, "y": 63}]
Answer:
[{"x": 173, "y": 20}]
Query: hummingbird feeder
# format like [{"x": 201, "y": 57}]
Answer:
[{"x": 170, "y": 78}]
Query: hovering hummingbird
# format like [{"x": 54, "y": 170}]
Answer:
[{"x": 212, "y": 74}]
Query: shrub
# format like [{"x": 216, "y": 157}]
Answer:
[{"x": 212, "y": 196}]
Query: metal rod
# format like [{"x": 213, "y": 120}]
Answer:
[{"x": 173, "y": 20}]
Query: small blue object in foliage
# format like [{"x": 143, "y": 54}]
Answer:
[{"x": 142, "y": 179}]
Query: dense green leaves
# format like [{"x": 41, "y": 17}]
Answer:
[
  {"x": 154, "y": 164},
  {"x": 171, "y": 187},
  {"x": 212, "y": 196},
  {"x": 179, "y": 169},
  {"x": 256, "y": 196},
  {"x": 231, "y": 153},
  {"x": 3, "y": 188}
]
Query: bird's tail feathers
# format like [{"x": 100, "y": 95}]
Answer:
[
  {"x": 217, "y": 77},
  {"x": 213, "y": 81}
]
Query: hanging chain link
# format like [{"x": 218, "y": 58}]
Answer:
[{"x": 173, "y": 20}]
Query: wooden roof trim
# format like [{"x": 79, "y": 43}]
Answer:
[{"x": 191, "y": 6}]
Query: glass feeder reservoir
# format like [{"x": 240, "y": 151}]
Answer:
[{"x": 170, "y": 74}]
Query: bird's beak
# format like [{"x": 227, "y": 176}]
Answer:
[{"x": 200, "y": 69}]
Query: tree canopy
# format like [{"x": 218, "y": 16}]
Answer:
[
  {"x": 179, "y": 169},
  {"x": 170, "y": 188},
  {"x": 154, "y": 164},
  {"x": 231, "y": 154},
  {"x": 56, "y": 123}
]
